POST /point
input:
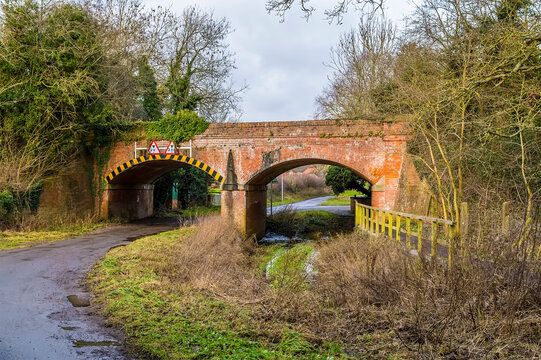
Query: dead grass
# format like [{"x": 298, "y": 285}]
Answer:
[
  {"x": 216, "y": 259},
  {"x": 370, "y": 295},
  {"x": 376, "y": 287},
  {"x": 35, "y": 231},
  {"x": 485, "y": 309}
]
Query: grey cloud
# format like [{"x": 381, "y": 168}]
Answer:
[{"x": 281, "y": 62}]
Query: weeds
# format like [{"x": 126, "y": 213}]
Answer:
[
  {"x": 309, "y": 223},
  {"x": 34, "y": 231},
  {"x": 368, "y": 298}
]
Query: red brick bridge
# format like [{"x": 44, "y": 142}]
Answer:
[{"x": 245, "y": 157}]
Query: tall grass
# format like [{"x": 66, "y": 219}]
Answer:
[
  {"x": 487, "y": 307},
  {"x": 369, "y": 295},
  {"x": 375, "y": 286},
  {"x": 215, "y": 259}
]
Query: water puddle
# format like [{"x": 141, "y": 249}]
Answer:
[
  {"x": 85, "y": 343},
  {"x": 77, "y": 301},
  {"x": 69, "y": 328},
  {"x": 131, "y": 239}
]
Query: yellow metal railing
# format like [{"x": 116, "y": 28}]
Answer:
[{"x": 378, "y": 221}]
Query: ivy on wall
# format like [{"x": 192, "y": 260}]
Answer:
[{"x": 179, "y": 127}]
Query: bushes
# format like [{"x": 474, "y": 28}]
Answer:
[
  {"x": 368, "y": 296},
  {"x": 7, "y": 204},
  {"x": 341, "y": 179},
  {"x": 18, "y": 208},
  {"x": 490, "y": 307},
  {"x": 309, "y": 223},
  {"x": 301, "y": 184},
  {"x": 177, "y": 127}
]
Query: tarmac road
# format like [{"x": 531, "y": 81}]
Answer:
[
  {"x": 310, "y": 205},
  {"x": 36, "y": 319}
]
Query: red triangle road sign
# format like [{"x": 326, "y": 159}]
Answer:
[
  {"x": 153, "y": 149},
  {"x": 171, "y": 149}
]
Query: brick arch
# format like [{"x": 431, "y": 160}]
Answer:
[
  {"x": 147, "y": 169},
  {"x": 265, "y": 175},
  {"x": 249, "y": 155}
]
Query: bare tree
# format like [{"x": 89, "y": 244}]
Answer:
[
  {"x": 200, "y": 67},
  {"x": 361, "y": 62},
  {"x": 188, "y": 53},
  {"x": 335, "y": 13},
  {"x": 477, "y": 99}
]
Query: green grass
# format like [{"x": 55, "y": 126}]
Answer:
[
  {"x": 191, "y": 212},
  {"x": 341, "y": 199},
  {"x": 286, "y": 201},
  {"x": 287, "y": 269},
  {"x": 290, "y": 198},
  {"x": 20, "y": 239},
  {"x": 309, "y": 224},
  {"x": 170, "y": 322},
  {"x": 201, "y": 211}
]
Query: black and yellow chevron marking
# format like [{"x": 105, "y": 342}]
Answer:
[{"x": 180, "y": 158}]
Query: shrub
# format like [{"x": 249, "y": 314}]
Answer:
[
  {"x": 215, "y": 259},
  {"x": 7, "y": 203},
  {"x": 487, "y": 307}
]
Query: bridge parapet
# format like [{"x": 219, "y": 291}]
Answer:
[
  {"x": 249, "y": 155},
  {"x": 357, "y": 128}
]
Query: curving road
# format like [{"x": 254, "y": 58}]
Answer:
[
  {"x": 36, "y": 319},
  {"x": 312, "y": 204}
]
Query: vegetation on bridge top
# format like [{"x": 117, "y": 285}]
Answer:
[{"x": 76, "y": 77}]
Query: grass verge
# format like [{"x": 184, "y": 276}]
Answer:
[
  {"x": 169, "y": 311},
  {"x": 200, "y": 211},
  {"x": 20, "y": 239},
  {"x": 192, "y": 212},
  {"x": 293, "y": 197},
  {"x": 205, "y": 292},
  {"x": 341, "y": 199}
]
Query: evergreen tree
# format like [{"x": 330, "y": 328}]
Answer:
[
  {"x": 148, "y": 91},
  {"x": 52, "y": 82},
  {"x": 341, "y": 179}
]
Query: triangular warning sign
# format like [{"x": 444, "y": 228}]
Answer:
[
  {"x": 153, "y": 149},
  {"x": 171, "y": 149}
]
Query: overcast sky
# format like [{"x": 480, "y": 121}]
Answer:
[{"x": 281, "y": 62}]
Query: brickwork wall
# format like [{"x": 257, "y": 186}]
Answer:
[
  {"x": 261, "y": 151},
  {"x": 256, "y": 153},
  {"x": 413, "y": 194},
  {"x": 68, "y": 193}
]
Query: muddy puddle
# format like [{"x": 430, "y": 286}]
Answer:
[
  {"x": 78, "y": 301},
  {"x": 85, "y": 343}
]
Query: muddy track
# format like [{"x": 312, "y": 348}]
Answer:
[{"x": 37, "y": 320}]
